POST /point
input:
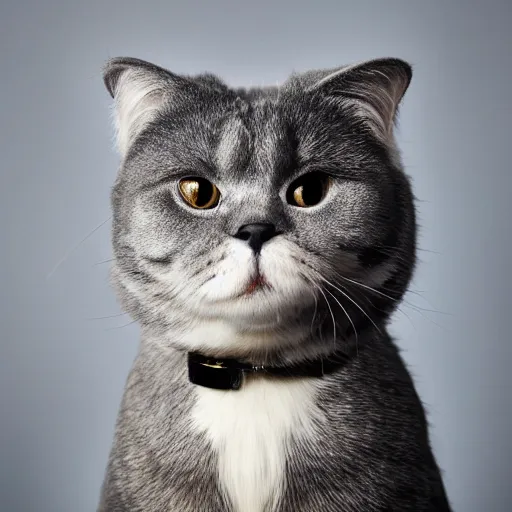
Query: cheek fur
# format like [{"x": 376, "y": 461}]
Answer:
[
  {"x": 346, "y": 219},
  {"x": 279, "y": 265}
]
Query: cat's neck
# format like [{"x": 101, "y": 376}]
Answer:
[{"x": 260, "y": 349}]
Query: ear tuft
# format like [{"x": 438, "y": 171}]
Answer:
[
  {"x": 140, "y": 89},
  {"x": 375, "y": 87}
]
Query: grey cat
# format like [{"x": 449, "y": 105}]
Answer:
[{"x": 262, "y": 239}]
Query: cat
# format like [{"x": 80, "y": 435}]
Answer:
[{"x": 262, "y": 239}]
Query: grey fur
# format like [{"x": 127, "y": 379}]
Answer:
[{"x": 373, "y": 453}]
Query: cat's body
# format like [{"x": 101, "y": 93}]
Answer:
[
  {"x": 353, "y": 440},
  {"x": 172, "y": 438}
]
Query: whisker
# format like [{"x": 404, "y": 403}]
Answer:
[
  {"x": 395, "y": 248},
  {"x": 330, "y": 309},
  {"x": 121, "y": 326},
  {"x": 415, "y": 308},
  {"x": 418, "y": 293},
  {"x": 367, "y": 299},
  {"x": 349, "y": 319},
  {"x": 429, "y": 319},
  {"x": 410, "y": 304},
  {"x": 355, "y": 303},
  {"x": 403, "y": 300},
  {"x": 314, "y": 313},
  {"x": 429, "y": 251},
  {"x": 106, "y": 317},
  {"x": 74, "y": 248},
  {"x": 102, "y": 262}
]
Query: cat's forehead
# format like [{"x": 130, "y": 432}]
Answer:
[
  {"x": 233, "y": 144},
  {"x": 259, "y": 138},
  {"x": 275, "y": 136}
]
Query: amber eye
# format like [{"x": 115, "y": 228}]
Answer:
[
  {"x": 308, "y": 190},
  {"x": 199, "y": 193}
]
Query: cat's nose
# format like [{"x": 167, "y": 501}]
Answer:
[{"x": 256, "y": 234}]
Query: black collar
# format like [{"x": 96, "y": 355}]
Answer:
[{"x": 229, "y": 373}]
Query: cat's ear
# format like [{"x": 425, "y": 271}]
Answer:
[
  {"x": 375, "y": 88},
  {"x": 140, "y": 89}
]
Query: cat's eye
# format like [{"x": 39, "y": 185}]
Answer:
[
  {"x": 308, "y": 190},
  {"x": 199, "y": 193}
]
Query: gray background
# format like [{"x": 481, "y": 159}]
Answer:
[{"x": 62, "y": 373}]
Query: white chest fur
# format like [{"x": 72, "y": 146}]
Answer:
[{"x": 251, "y": 430}]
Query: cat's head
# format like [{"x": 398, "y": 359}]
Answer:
[{"x": 258, "y": 221}]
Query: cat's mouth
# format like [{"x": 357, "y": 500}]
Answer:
[{"x": 258, "y": 282}]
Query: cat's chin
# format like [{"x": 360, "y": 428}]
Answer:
[
  {"x": 256, "y": 309},
  {"x": 248, "y": 295}
]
